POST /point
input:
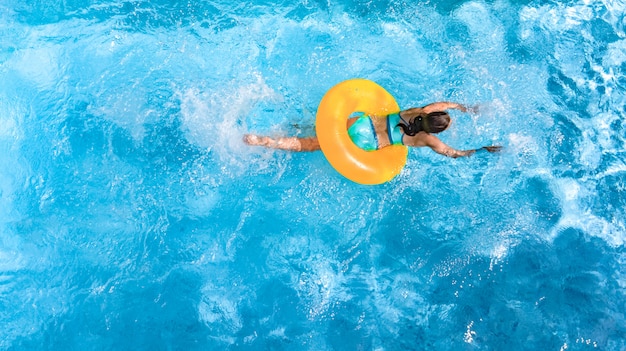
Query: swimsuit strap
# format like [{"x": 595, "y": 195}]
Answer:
[
  {"x": 395, "y": 135},
  {"x": 374, "y": 132},
  {"x": 405, "y": 122}
]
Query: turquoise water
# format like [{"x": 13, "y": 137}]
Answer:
[{"x": 133, "y": 217}]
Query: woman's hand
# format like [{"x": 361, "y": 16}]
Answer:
[
  {"x": 472, "y": 109},
  {"x": 492, "y": 148}
]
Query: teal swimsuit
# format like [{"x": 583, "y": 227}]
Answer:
[
  {"x": 393, "y": 131},
  {"x": 363, "y": 134}
]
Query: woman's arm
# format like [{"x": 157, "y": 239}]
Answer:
[
  {"x": 424, "y": 139},
  {"x": 442, "y": 106},
  {"x": 441, "y": 148},
  {"x": 438, "y": 146}
]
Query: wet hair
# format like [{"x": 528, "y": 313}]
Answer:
[{"x": 434, "y": 122}]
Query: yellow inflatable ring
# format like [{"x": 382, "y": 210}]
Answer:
[{"x": 354, "y": 163}]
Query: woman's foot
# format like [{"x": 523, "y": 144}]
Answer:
[
  {"x": 256, "y": 140},
  {"x": 290, "y": 143}
]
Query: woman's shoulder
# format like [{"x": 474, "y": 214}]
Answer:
[
  {"x": 419, "y": 139},
  {"x": 411, "y": 112}
]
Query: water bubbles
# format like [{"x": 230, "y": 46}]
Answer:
[{"x": 469, "y": 335}]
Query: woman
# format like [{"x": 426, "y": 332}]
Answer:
[{"x": 413, "y": 127}]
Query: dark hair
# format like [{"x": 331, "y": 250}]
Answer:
[{"x": 434, "y": 122}]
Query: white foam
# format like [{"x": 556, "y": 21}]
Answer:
[
  {"x": 557, "y": 17},
  {"x": 11, "y": 259},
  {"x": 321, "y": 285},
  {"x": 39, "y": 65},
  {"x": 574, "y": 196},
  {"x": 487, "y": 32},
  {"x": 527, "y": 152},
  {"x": 11, "y": 135},
  {"x": 127, "y": 110},
  {"x": 201, "y": 203},
  {"x": 317, "y": 277},
  {"x": 218, "y": 309},
  {"x": 9, "y": 129},
  {"x": 216, "y": 120},
  {"x": 601, "y": 123}
]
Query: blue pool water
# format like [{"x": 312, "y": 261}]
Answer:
[{"x": 132, "y": 217}]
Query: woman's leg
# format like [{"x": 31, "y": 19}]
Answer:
[{"x": 287, "y": 143}]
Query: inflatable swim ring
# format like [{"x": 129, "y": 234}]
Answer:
[{"x": 354, "y": 163}]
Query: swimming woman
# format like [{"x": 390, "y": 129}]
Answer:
[{"x": 413, "y": 127}]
